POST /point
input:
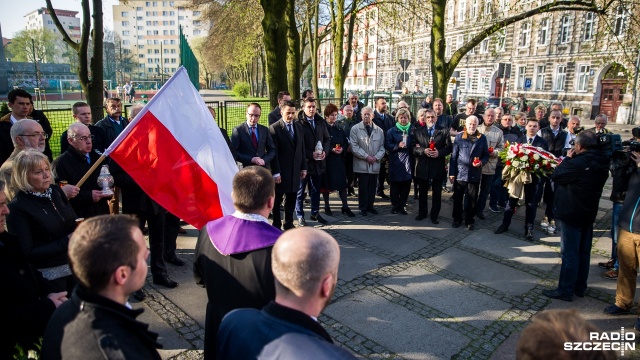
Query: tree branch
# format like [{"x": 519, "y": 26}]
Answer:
[{"x": 65, "y": 37}]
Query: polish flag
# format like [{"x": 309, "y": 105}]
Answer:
[{"x": 175, "y": 152}]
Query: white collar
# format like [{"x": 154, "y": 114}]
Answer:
[
  {"x": 251, "y": 217},
  {"x": 14, "y": 120}
]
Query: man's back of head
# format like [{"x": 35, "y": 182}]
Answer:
[
  {"x": 305, "y": 264},
  {"x": 253, "y": 187}
]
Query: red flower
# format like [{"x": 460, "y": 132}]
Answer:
[
  {"x": 490, "y": 149},
  {"x": 508, "y": 162}
]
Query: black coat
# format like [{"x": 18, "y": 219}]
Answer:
[
  {"x": 400, "y": 159},
  {"x": 243, "y": 149},
  {"x": 289, "y": 160},
  {"x": 311, "y": 138},
  {"x": 335, "y": 178},
  {"x": 71, "y": 166},
  {"x": 555, "y": 142},
  {"x": 384, "y": 121},
  {"x": 25, "y": 309},
  {"x": 42, "y": 226},
  {"x": 275, "y": 115},
  {"x": 99, "y": 142},
  {"x": 109, "y": 130},
  {"x": 428, "y": 167},
  {"x": 134, "y": 199},
  {"x": 451, "y": 108},
  {"x": 630, "y": 213},
  {"x": 90, "y": 326},
  {"x": 578, "y": 187}
]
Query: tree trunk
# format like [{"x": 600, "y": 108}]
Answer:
[
  {"x": 314, "y": 42},
  {"x": 341, "y": 60},
  {"x": 294, "y": 61},
  {"x": 264, "y": 72},
  {"x": 275, "y": 45},
  {"x": 439, "y": 66}
]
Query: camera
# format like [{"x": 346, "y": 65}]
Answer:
[
  {"x": 609, "y": 144},
  {"x": 622, "y": 157},
  {"x": 577, "y": 129}
]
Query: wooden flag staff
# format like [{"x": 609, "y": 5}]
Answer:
[{"x": 93, "y": 168}]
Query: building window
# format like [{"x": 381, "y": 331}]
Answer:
[
  {"x": 565, "y": 29},
  {"x": 589, "y": 25},
  {"x": 467, "y": 79},
  {"x": 462, "y": 7},
  {"x": 125, "y": 23},
  {"x": 583, "y": 77},
  {"x": 125, "y": 33},
  {"x": 460, "y": 41},
  {"x": 561, "y": 77},
  {"x": 484, "y": 83},
  {"x": 139, "y": 8},
  {"x": 488, "y": 7},
  {"x": 196, "y": 32},
  {"x": 484, "y": 46},
  {"x": 540, "y": 69},
  {"x": 126, "y": 42},
  {"x": 522, "y": 71},
  {"x": 621, "y": 20},
  {"x": 473, "y": 12},
  {"x": 501, "y": 39},
  {"x": 450, "y": 11},
  {"x": 525, "y": 35},
  {"x": 543, "y": 33},
  {"x": 124, "y": 14},
  {"x": 196, "y": 13}
]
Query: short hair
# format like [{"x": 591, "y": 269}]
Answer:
[
  {"x": 289, "y": 103},
  {"x": 308, "y": 100},
  {"x": 558, "y": 111},
  {"x": 556, "y": 102},
  {"x": 472, "y": 102},
  {"x": 351, "y": 94},
  {"x": 545, "y": 337},
  {"x": 78, "y": 105},
  {"x": 13, "y": 94},
  {"x": 303, "y": 274},
  {"x": 636, "y": 132},
  {"x": 73, "y": 129},
  {"x": 472, "y": 117},
  {"x": 601, "y": 116},
  {"x": 520, "y": 115},
  {"x": 26, "y": 161},
  {"x": 135, "y": 109},
  {"x": 532, "y": 120},
  {"x": 541, "y": 107},
  {"x": 574, "y": 117},
  {"x": 500, "y": 108},
  {"x": 306, "y": 93},
  {"x": 99, "y": 246},
  {"x": 421, "y": 112},
  {"x": 330, "y": 109},
  {"x": 402, "y": 104},
  {"x": 586, "y": 139},
  {"x": 252, "y": 187},
  {"x": 113, "y": 99},
  {"x": 438, "y": 99},
  {"x": 490, "y": 109},
  {"x": 378, "y": 98},
  {"x": 254, "y": 104},
  {"x": 282, "y": 94},
  {"x": 367, "y": 108},
  {"x": 18, "y": 128},
  {"x": 403, "y": 111}
]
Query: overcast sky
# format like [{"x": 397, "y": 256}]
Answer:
[{"x": 12, "y": 19}]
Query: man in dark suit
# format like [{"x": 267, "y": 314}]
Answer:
[
  {"x": 529, "y": 189},
  {"x": 275, "y": 115},
  {"x": 82, "y": 113},
  {"x": 556, "y": 138},
  {"x": 432, "y": 145},
  {"x": 250, "y": 141},
  {"x": 289, "y": 165},
  {"x": 305, "y": 266},
  {"x": 385, "y": 122}
]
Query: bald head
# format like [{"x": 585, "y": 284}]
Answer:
[{"x": 302, "y": 258}]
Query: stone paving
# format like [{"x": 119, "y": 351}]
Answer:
[{"x": 414, "y": 290}]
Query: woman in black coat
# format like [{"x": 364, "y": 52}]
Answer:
[
  {"x": 398, "y": 143},
  {"x": 335, "y": 176},
  {"x": 42, "y": 218}
]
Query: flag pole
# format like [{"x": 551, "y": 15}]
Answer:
[{"x": 93, "y": 168}]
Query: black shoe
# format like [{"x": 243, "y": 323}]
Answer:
[
  {"x": 421, "y": 217},
  {"x": 363, "y": 213},
  {"x": 327, "y": 210},
  {"x": 346, "y": 210},
  {"x": 615, "y": 310},
  {"x": 435, "y": 221},
  {"x": 373, "y": 211},
  {"x": 165, "y": 281},
  {"x": 288, "y": 226},
  {"x": 319, "y": 219},
  {"x": 383, "y": 195},
  {"x": 302, "y": 222},
  {"x": 528, "y": 235},
  {"x": 481, "y": 216},
  {"x": 139, "y": 295},
  {"x": 456, "y": 224},
  {"x": 501, "y": 229},
  {"x": 555, "y": 294},
  {"x": 174, "y": 260},
  {"x": 579, "y": 293},
  {"x": 471, "y": 227},
  {"x": 403, "y": 211},
  {"x": 394, "y": 210}
]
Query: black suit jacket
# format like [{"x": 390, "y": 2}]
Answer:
[
  {"x": 428, "y": 167},
  {"x": 290, "y": 159},
  {"x": 275, "y": 115},
  {"x": 555, "y": 142},
  {"x": 243, "y": 150},
  {"x": 537, "y": 142}
]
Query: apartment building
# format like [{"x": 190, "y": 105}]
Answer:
[{"x": 41, "y": 19}]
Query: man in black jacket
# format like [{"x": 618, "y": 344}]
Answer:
[
  {"x": 108, "y": 255},
  {"x": 314, "y": 130},
  {"x": 82, "y": 113},
  {"x": 385, "y": 122},
  {"x": 250, "y": 142},
  {"x": 579, "y": 180},
  {"x": 276, "y": 115}
]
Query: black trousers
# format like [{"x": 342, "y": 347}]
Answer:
[
  {"x": 366, "y": 190},
  {"x": 530, "y": 200},
  {"x": 383, "y": 174},
  {"x": 171, "y": 227},
  {"x": 289, "y": 208},
  {"x": 156, "y": 224},
  {"x": 348, "y": 167},
  {"x": 399, "y": 193},
  {"x": 436, "y": 197},
  {"x": 460, "y": 190},
  {"x": 549, "y": 196}
]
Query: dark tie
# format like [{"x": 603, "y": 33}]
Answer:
[
  {"x": 368, "y": 127},
  {"x": 530, "y": 141},
  {"x": 313, "y": 123},
  {"x": 430, "y": 132},
  {"x": 88, "y": 158},
  {"x": 254, "y": 138},
  {"x": 290, "y": 129}
]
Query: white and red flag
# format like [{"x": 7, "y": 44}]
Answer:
[{"x": 175, "y": 152}]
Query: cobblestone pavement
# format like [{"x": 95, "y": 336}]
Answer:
[{"x": 413, "y": 290}]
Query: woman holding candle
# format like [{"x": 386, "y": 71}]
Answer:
[
  {"x": 335, "y": 177},
  {"x": 398, "y": 142}
]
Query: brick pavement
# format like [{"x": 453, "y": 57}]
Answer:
[{"x": 414, "y": 290}]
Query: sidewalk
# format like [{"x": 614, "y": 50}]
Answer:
[{"x": 414, "y": 290}]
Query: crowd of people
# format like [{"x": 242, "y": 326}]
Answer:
[{"x": 68, "y": 247}]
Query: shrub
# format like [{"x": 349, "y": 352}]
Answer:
[{"x": 241, "y": 89}]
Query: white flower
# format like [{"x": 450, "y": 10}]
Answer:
[{"x": 536, "y": 157}]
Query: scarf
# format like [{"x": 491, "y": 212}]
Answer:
[
  {"x": 404, "y": 128},
  {"x": 45, "y": 194}
]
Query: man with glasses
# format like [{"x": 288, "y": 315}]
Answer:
[
  {"x": 600, "y": 123},
  {"x": 82, "y": 113},
  {"x": 250, "y": 141},
  {"x": 404, "y": 105},
  {"x": 457, "y": 127},
  {"x": 71, "y": 167}
]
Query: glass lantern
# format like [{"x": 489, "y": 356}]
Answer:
[{"x": 105, "y": 180}]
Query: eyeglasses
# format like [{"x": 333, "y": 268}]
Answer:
[
  {"x": 44, "y": 135},
  {"x": 429, "y": 116},
  {"x": 253, "y": 115},
  {"x": 84, "y": 138}
]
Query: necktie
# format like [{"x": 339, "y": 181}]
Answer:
[
  {"x": 530, "y": 141},
  {"x": 290, "y": 129},
  {"x": 368, "y": 127},
  {"x": 254, "y": 138},
  {"x": 88, "y": 158},
  {"x": 431, "y": 132},
  {"x": 313, "y": 124}
]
